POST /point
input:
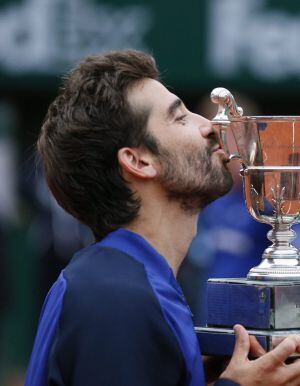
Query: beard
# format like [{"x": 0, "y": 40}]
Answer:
[{"x": 194, "y": 177}]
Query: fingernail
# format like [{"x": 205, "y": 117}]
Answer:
[{"x": 236, "y": 327}]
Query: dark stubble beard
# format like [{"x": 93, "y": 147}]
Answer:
[{"x": 192, "y": 178}]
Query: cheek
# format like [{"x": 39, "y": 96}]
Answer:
[
  {"x": 185, "y": 141},
  {"x": 178, "y": 134}
]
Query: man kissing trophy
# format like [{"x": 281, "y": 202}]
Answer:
[{"x": 267, "y": 302}]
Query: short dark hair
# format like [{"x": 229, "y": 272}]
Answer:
[{"x": 85, "y": 126}]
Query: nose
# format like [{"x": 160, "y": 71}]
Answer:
[{"x": 205, "y": 125}]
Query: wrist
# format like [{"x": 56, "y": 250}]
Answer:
[
  {"x": 226, "y": 382},
  {"x": 230, "y": 376}
]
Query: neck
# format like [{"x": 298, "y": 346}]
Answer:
[{"x": 170, "y": 231}]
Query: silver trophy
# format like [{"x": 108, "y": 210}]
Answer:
[
  {"x": 269, "y": 151},
  {"x": 267, "y": 302}
]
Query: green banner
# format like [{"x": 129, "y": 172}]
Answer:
[{"x": 196, "y": 43}]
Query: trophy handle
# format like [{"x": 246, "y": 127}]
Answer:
[
  {"x": 227, "y": 105},
  {"x": 227, "y": 108}
]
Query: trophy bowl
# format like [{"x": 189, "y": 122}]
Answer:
[{"x": 269, "y": 152}]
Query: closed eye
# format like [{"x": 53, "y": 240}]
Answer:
[{"x": 181, "y": 118}]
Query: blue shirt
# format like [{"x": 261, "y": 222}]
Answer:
[{"x": 116, "y": 316}]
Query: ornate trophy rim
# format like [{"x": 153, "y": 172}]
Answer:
[{"x": 278, "y": 118}]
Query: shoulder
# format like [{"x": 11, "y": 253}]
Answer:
[
  {"x": 96, "y": 262},
  {"x": 110, "y": 315},
  {"x": 102, "y": 282}
]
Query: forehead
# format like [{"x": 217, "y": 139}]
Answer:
[{"x": 151, "y": 95}]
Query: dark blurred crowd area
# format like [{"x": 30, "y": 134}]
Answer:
[{"x": 36, "y": 237}]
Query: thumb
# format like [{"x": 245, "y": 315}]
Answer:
[{"x": 242, "y": 343}]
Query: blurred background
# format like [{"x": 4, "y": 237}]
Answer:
[{"x": 251, "y": 47}]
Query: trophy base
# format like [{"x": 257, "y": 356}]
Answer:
[
  {"x": 221, "y": 341},
  {"x": 270, "y": 310},
  {"x": 272, "y": 271}
]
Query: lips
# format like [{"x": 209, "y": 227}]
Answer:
[{"x": 217, "y": 149}]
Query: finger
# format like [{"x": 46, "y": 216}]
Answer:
[
  {"x": 256, "y": 350},
  {"x": 242, "y": 343},
  {"x": 287, "y": 347},
  {"x": 294, "y": 373},
  {"x": 276, "y": 340}
]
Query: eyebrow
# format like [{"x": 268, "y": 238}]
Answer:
[{"x": 173, "y": 107}]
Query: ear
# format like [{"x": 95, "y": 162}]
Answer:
[{"x": 137, "y": 161}]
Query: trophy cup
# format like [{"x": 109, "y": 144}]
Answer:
[{"x": 267, "y": 302}]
